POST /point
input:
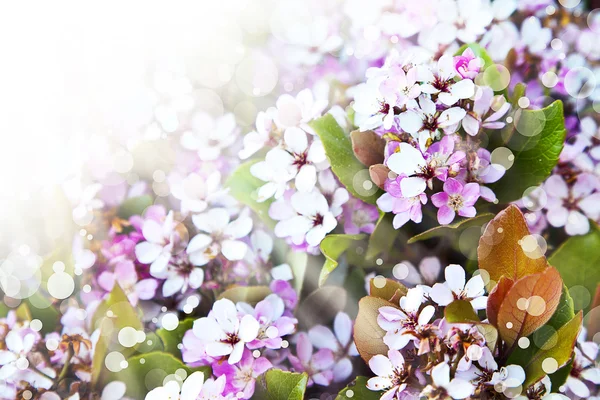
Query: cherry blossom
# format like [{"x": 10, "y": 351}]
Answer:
[
  {"x": 456, "y": 198},
  {"x": 455, "y": 288}
]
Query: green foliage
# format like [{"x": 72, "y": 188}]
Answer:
[
  {"x": 112, "y": 315},
  {"x": 351, "y": 172},
  {"x": 247, "y": 294},
  {"x": 243, "y": 186},
  {"x": 134, "y": 206},
  {"x": 452, "y": 230},
  {"x": 357, "y": 389},
  {"x": 383, "y": 237},
  {"x": 332, "y": 248},
  {"x": 460, "y": 311},
  {"x": 280, "y": 385},
  {"x": 536, "y": 139},
  {"x": 577, "y": 260},
  {"x": 170, "y": 339}
]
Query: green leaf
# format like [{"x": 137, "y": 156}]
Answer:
[
  {"x": 112, "y": 315},
  {"x": 559, "y": 347},
  {"x": 351, "y": 172},
  {"x": 460, "y": 311},
  {"x": 452, "y": 230},
  {"x": 171, "y": 339},
  {"x": 147, "y": 371},
  {"x": 357, "y": 389},
  {"x": 247, "y": 294},
  {"x": 332, "y": 248},
  {"x": 383, "y": 237},
  {"x": 577, "y": 260},
  {"x": 276, "y": 384},
  {"x": 244, "y": 186},
  {"x": 536, "y": 139},
  {"x": 134, "y": 206}
]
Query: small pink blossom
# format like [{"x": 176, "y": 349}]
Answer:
[
  {"x": 456, "y": 198},
  {"x": 317, "y": 365},
  {"x": 468, "y": 64}
]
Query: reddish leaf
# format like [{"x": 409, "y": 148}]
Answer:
[
  {"x": 387, "y": 289},
  {"x": 368, "y": 335},
  {"x": 496, "y": 298},
  {"x": 593, "y": 317},
  {"x": 529, "y": 304},
  {"x": 379, "y": 173},
  {"x": 500, "y": 252},
  {"x": 368, "y": 147}
]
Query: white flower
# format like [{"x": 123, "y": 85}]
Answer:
[
  {"x": 425, "y": 122},
  {"x": 391, "y": 374},
  {"x": 456, "y": 388},
  {"x": 257, "y": 139},
  {"x": 197, "y": 192},
  {"x": 371, "y": 107},
  {"x": 410, "y": 162},
  {"x": 400, "y": 324},
  {"x": 209, "y": 136},
  {"x": 221, "y": 236},
  {"x": 534, "y": 36},
  {"x": 18, "y": 345},
  {"x": 158, "y": 247},
  {"x": 455, "y": 289},
  {"x": 224, "y": 333},
  {"x": 312, "y": 220},
  {"x": 441, "y": 81},
  {"x": 189, "y": 390},
  {"x": 297, "y": 159},
  {"x": 511, "y": 376},
  {"x": 298, "y": 111}
]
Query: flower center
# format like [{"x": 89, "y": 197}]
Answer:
[
  {"x": 318, "y": 220},
  {"x": 456, "y": 202}
]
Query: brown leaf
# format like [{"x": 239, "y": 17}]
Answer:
[
  {"x": 500, "y": 252},
  {"x": 496, "y": 298},
  {"x": 368, "y": 147},
  {"x": 379, "y": 173},
  {"x": 387, "y": 289},
  {"x": 368, "y": 335},
  {"x": 529, "y": 304}
]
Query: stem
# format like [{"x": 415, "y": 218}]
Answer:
[{"x": 65, "y": 369}]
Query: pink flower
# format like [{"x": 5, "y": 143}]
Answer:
[
  {"x": 126, "y": 275},
  {"x": 241, "y": 377},
  {"x": 318, "y": 365},
  {"x": 339, "y": 341},
  {"x": 468, "y": 64},
  {"x": 456, "y": 198},
  {"x": 474, "y": 120},
  {"x": 405, "y": 208},
  {"x": 273, "y": 325},
  {"x": 572, "y": 206},
  {"x": 359, "y": 217}
]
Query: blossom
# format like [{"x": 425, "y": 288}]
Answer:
[
  {"x": 157, "y": 248},
  {"x": 584, "y": 369},
  {"x": 534, "y": 36},
  {"x": 405, "y": 208},
  {"x": 309, "y": 219},
  {"x": 241, "y": 377},
  {"x": 443, "y": 387},
  {"x": 224, "y": 332},
  {"x": 571, "y": 207},
  {"x": 221, "y": 236},
  {"x": 317, "y": 366},
  {"x": 468, "y": 64},
  {"x": 428, "y": 272},
  {"x": 456, "y": 198},
  {"x": 425, "y": 122},
  {"x": 273, "y": 324},
  {"x": 209, "y": 137},
  {"x": 484, "y": 99},
  {"x": 298, "y": 111},
  {"x": 410, "y": 163},
  {"x": 440, "y": 81},
  {"x": 359, "y": 217},
  {"x": 455, "y": 288},
  {"x": 372, "y": 108},
  {"x": 400, "y": 324},
  {"x": 126, "y": 275},
  {"x": 391, "y": 372},
  {"x": 257, "y": 139},
  {"x": 193, "y": 388},
  {"x": 196, "y": 192},
  {"x": 339, "y": 341}
]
